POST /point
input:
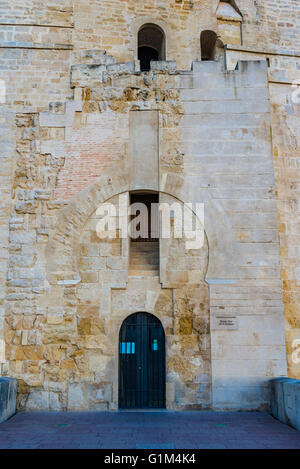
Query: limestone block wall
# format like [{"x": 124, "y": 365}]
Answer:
[
  {"x": 63, "y": 311},
  {"x": 113, "y": 26},
  {"x": 36, "y": 12},
  {"x": 273, "y": 28},
  {"x": 65, "y": 123},
  {"x": 271, "y": 23},
  {"x": 286, "y": 141},
  {"x": 39, "y": 42},
  {"x": 81, "y": 342},
  {"x": 228, "y": 163},
  {"x": 35, "y": 46},
  {"x": 283, "y": 76},
  {"x": 7, "y": 140}
]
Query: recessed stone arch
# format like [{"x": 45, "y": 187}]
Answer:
[
  {"x": 97, "y": 303},
  {"x": 63, "y": 242},
  {"x": 60, "y": 261}
]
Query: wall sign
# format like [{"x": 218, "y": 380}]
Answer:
[{"x": 226, "y": 323}]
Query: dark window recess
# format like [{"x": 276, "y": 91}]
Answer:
[
  {"x": 208, "y": 41},
  {"x": 148, "y": 229},
  {"x": 146, "y": 55},
  {"x": 151, "y": 45}
]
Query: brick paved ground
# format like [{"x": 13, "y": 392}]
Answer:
[{"x": 153, "y": 430}]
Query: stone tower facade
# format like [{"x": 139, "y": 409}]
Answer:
[{"x": 86, "y": 120}]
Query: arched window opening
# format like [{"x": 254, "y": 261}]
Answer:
[
  {"x": 151, "y": 45},
  {"x": 208, "y": 40}
]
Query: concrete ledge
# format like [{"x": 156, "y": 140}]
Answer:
[
  {"x": 8, "y": 397},
  {"x": 285, "y": 401}
]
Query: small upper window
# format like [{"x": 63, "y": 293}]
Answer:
[
  {"x": 208, "y": 40},
  {"x": 151, "y": 45}
]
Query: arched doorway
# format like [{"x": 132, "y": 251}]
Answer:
[{"x": 142, "y": 368}]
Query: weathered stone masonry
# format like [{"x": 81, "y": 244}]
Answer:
[{"x": 70, "y": 143}]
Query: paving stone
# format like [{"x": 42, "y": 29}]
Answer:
[{"x": 159, "y": 430}]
